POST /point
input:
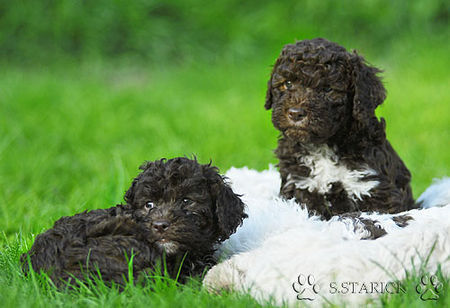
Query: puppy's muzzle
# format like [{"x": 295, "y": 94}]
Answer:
[
  {"x": 296, "y": 114},
  {"x": 160, "y": 225}
]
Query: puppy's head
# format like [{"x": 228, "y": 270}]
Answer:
[
  {"x": 185, "y": 206},
  {"x": 318, "y": 89}
]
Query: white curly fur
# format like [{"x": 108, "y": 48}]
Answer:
[{"x": 278, "y": 242}]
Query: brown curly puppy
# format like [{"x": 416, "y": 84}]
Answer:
[
  {"x": 333, "y": 152},
  {"x": 175, "y": 209}
]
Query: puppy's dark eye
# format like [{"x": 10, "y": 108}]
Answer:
[
  {"x": 286, "y": 85},
  {"x": 149, "y": 205},
  {"x": 186, "y": 201},
  {"x": 327, "y": 89}
]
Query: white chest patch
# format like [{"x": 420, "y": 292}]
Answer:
[{"x": 326, "y": 169}]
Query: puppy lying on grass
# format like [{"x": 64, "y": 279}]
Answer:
[{"x": 176, "y": 210}]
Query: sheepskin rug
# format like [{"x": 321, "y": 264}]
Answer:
[{"x": 281, "y": 253}]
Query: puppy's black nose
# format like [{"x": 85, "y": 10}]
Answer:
[
  {"x": 160, "y": 225},
  {"x": 296, "y": 114}
]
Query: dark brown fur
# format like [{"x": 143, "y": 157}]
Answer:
[
  {"x": 323, "y": 95},
  {"x": 174, "y": 208}
]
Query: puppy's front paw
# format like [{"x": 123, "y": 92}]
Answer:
[{"x": 224, "y": 276}]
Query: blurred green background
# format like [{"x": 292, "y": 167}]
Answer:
[
  {"x": 176, "y": 31},
  {"x": 91, "y": 89}
]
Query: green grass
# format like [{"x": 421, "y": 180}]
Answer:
[
  {"x": 72, "y": 137},
  {"x": 408, "y": 296}
]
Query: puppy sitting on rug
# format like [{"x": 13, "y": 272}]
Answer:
[
  {"x": 333, "y": 152},
  {"x": 175, "y": 209}
]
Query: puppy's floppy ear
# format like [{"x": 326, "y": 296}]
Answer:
[
  {"x": 129, "y": 195},
  {"x": 369, "y": 91},
  {"x": 269, "y": 97},
  {"x": 368, "y": 94},
  {"x": 229, "y": 209}
]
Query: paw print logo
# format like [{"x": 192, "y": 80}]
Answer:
[
  {"x": 429, "y": 288},
  {"x": 305, "y": 288}
]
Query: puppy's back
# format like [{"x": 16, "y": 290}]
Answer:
[{"x": 48, "y": 249}]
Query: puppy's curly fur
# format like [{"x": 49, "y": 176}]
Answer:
[
  {"x": 333, "y": 153},
  {"x": 175, "y": 209}
]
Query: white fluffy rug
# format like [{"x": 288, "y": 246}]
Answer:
[{"x": 283, "y": 254}]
